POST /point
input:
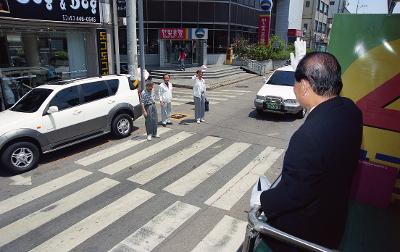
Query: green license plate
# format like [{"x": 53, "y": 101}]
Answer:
[{"x": 272, "y": 106}]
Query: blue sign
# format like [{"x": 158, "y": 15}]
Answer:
[
  {"x": 200, "y": 33},
  {"x": 266, "y": 5}
]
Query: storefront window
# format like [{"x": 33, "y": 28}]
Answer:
[{"x": 30, "y": 59}]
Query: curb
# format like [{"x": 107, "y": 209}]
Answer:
[{"x": 215, "y": 85}]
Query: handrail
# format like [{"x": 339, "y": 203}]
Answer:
[{"x": 257, "y": 225}]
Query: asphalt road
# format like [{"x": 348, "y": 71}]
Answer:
[{"x": 186, "y": 191}]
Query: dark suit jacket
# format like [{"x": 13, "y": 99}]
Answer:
[{"x": 311, "y": 200}]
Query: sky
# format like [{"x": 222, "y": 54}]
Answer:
[{"x": 372, "y": 6}]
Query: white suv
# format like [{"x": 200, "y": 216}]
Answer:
[{"x": 54, "y": 116}]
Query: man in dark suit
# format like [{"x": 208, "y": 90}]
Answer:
[{"x": 311, "y": 200}]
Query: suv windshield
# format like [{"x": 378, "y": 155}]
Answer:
[
  {"x": 283, "y": 78},
  {"x": 32, "y": 101}
]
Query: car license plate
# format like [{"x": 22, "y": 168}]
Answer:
[{"x": 272, "y": 106}]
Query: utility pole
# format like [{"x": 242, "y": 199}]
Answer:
[
  {"x": 141, "y": 42},
  {"x": 116, "y": 37},
  {"x": 131, "y": 38}
]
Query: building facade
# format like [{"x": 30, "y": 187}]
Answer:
[
  {"x": 336, "y": 7},
  {"x": 42, "y": 41},
  {"x": 315, "y": 24},
  {"x": 222, "y": 22}
]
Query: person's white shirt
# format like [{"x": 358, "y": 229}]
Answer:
[
  {"x": 199, "y": 87},
  {"x": 165, "y": 92}
]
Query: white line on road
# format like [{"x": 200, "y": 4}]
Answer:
[
  {"x": 46, "y": 214},
  {"x": 39, "y": 191},
  {"x": 179, "y": 93},
  {"x": 86, "y": 228},
  {"x": 157, "y": 229},
  {"x": 145, "y": 153},
  {"x": 226, "y": 236},
  {"x": 233, "y": 90},
  {"x": 20, "y": 180},
  {"x": 176, "y": 103},
  {"x": 170, "y": 162},
  {"x": 190, "y": 100},
  {"x": 210, "y": 98},
  {"x": 203, "y": 172},
  {"x": 111, "y": 151},
  {"x": 227, "y": 196}
]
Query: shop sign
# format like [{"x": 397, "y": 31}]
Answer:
[
  {"x": 174, "y": 33},
  {"x": 266, "y": 5},
  {"x": 77, "y": 11},
  {"x": 294, "y": 33},
  {"x": 263, "y": 29},
  {"x": 102, "y": 45},
  {"x": 198, "y": 33}
]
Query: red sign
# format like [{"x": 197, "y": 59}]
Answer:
[
  {"x": 263, "y": 29},
  {"x": 294, "y": 33},
  {"x": 174, "y": 33}
]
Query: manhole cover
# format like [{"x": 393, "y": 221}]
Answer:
[
  {"x": 178, "y": 116},
  {"x": 242, "y": 86}
]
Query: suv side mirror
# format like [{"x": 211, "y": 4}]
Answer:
[{"x": 52, "y": 109}]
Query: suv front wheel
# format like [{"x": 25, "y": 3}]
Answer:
[
  {"x": 20, "y": 157},
  {"x": 122, "y": 125}
]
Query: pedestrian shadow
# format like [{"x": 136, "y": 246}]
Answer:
[
  {"x": 187, "y": 121},
  {"x": 273, "y": 117}
]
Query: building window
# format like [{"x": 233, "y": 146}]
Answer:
[
  {"x": 332, "y": 3},
  {"x": 305, "y": 26},
  {"x": 316, "y": 26},
  {"x": 307, "y": 4}
]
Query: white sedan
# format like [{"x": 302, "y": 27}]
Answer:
[{"x": 277, "y": 95}]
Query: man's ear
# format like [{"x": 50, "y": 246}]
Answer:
[{"x": 305, "y": 86}]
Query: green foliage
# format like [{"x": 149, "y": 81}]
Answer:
[{"x": 276, "y": 49}]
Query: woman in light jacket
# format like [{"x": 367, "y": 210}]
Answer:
[
  {"x": 199, "y": 94},
  {"x": 165, "y": 94}
]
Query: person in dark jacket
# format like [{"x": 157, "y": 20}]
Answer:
[{"x": 311, "y": 200}]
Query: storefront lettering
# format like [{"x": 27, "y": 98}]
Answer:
[
  {"x": 74, "y": 4},
  {"x": 103, "y": 52},
  {"x": 172, "y": 33}
]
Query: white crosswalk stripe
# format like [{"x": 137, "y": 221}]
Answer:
[
  {"x": 172, "y": 161},
  {"x": 210, "y": 98},
  {"x": 158, "y": 229},
  {"x": 227, "y": 236},
  {"x": 143, "y": 154},
  {"x": 39, "y": 191},
  {"x": 191, "y": 100},
  {"x": 227, "y": 196},
  {"x": 203, "y": 172},
  {"x": 83, "y": 230},
  {"x": 46, "y": 214},
  {"x": 234, "y": 90},
  {"x": 111, "y": 151},
  {"x": 185, "y": 93}
]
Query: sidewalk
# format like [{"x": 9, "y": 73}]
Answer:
[{"x": 215, "y": 76}]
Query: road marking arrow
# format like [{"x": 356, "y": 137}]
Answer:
[{"x": 19, "y": 180}]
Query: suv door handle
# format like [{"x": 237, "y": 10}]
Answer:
[
  {"x": 77, "y": 112},
  {"x": 111, "y": 101}
]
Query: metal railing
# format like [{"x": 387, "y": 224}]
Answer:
[{"x": 254, "y": 66}]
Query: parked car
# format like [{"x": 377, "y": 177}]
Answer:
[
  {"x": 57, "y": 115},
  {"x": 277, "y": 95}
]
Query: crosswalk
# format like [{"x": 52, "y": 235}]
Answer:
[
  {"x": 214, "y": 97},
  {"x": 126, "y": 177}
]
